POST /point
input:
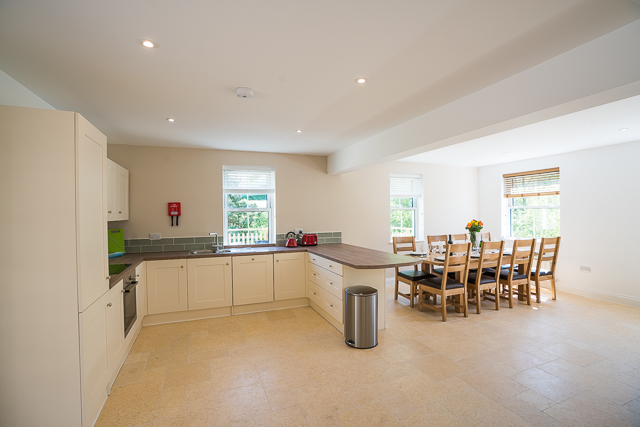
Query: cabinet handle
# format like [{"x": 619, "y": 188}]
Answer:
[
  {"x": 227, "y": 263},
  {"x": 277, "y": 260},
  {"x": 331, "y": 283},
  {"x": 122, "y": 291},
  {"x": 314, "y": 293},
  {"x": 330, "y": 266},
  {"x": 119, "y": 212},
  {"x": 108, "y": 277},
  {"x": 182, "y": 266},
  {"x": 109, "y": 211},
  {"x": 253, "y": 259},
  {"x": 137, "y": 275},
  {"x": 109, "y": 305},
  {"x": 330, "y": 305}
]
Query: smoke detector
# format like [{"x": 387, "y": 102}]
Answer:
[{"x": 244, "y": 92}]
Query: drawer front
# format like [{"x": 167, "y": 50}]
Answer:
[
  {"x": 315, "y": 259},
  {"x": 314, "y": 293},
  {"x": 333, "y": 266},
  {"x": 333, "y": 283},
  {"x": 332, "y": 305},
  {"x": 315, "y": 274}
]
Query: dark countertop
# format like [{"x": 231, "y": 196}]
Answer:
[{"x": 349, "y": 255}]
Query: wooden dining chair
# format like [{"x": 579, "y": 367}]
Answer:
[
  {"x": 410, "y": 277},
  {"x": 460, "y": 238},
  {"x": 515, "y": 276},
  {"x": 486, "y": 237},
  {"x": 548, "y": 252},
  {"x": 432, "y": 241},
  {"x": 487, "y": 284},
  {"x": 456, "y": 260}
]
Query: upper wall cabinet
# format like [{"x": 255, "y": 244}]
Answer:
[{"x": 117, "y": 192}]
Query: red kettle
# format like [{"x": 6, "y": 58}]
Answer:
[{"x": 291, "y": 241}]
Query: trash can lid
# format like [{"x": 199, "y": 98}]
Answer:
[{"x": 361, "y": 290}]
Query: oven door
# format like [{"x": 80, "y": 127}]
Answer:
[{"x": 129, "y": 304}]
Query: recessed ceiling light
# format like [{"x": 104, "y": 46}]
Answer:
[
  {"x": 149, "y": 44},
  {"x": 361, "y": 80},
  {"x": 170, "y": 120},
  {"x": 299, "y": 130},
  {"x": 624, "y": 129}
]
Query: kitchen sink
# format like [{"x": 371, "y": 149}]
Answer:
[{"x": 221, "y": 251}]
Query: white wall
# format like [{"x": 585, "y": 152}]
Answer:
[
  {"x": 599, "y": 206},
  {"x": 307, "y": 197},
  {"x": 15, "y": 94}
]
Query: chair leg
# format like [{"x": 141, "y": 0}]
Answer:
[
  {"x": 444, "y": 307},
  {"x": 465, "y": 303},
  {"x": 538, "y": 289},
  {"x": 497, "y": 297},
  {"x": 395, "y": 295},
  {"x": 412, "y": 294},
  {"x": 528, "y": 288},
  {"x": 510, "y": 293},
  {"x": 553, "y": 289}
]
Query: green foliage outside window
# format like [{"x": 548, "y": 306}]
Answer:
[
  {"x": 541, "y": 221},
  {"x": 246, "y": 227},
  {"x": 402, "y": 216}
]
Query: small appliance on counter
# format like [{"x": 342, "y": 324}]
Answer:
[
  {"x": 309, "y": 240},
  {"x": 291, "y": 241}
]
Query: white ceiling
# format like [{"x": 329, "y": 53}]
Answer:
[
  {"x": 301, "y": 58},
  {"x": 594, "y": 127}
]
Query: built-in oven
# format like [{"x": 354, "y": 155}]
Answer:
[{"x": 129, "y": 303}]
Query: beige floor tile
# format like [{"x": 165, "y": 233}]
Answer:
[
  {"x": 329, "y": 421},
  {"x": 438, "y": 366},
  {"x": 529, "y": 413},
  {"x": 434, "y": 414},
  {"x": 136, "y": 358},
  {"x": 214, "y": 342},
  {"x": 168, "y": 357},
  {"x": 371, "y": 393},
  {"x": 208, "y": 355},
  {"x": 574, "y": 355},
  {"x": 129, "y": 374},
  {"x": 492, "y": 383},
  {"x": 591, "y": 410},
  {"x": 421, "y": 390},
  {"x": 174, "y": 422},
  {"x": 633, "y": 406},
  {"x": 397, "y": 404},
  {"x": 281, "y": 400},
  {"x": 548, "y": 385},
  {"x": 322, "y": 400},
  {"x": 235, "y": 376},
  {"x": 536, "y": 400},
  {"x": 286, "y": 417},
  {"x": 459, "y": 347},
  {"x": 173, "y": 403},
  {"x": 374, "y": 414},
  {"x": 476, "y": 409},
  {"x": 363, "y": 373},
  {"x": 187, "y": 374}
]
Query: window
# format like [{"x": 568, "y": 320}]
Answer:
[
  {"x": 249, "y": 204},
  {"x": 533, "y": 200},
  {"x": 406, "y": 205}
]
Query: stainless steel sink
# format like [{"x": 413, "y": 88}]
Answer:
[{"x": 221, "y": 251}]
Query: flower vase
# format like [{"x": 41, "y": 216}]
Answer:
[{"x": 475, "y": 244}]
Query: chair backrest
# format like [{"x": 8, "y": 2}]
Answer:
[
  {"x": 404, "y": 244},
  {"x": 549, "y": 248},
  {"x": 459, "y": 238},
  {"x": 490, "y": 257},
  {"x": 486, "y": 237},
  {"x": 432, "y": 241},
  {"x": 522, "y": 253},
  {"x": 456, "y": 259}
]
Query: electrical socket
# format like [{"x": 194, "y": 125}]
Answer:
[
  {"x": 297, "y": 230},
  {"x": 585, "y": 269},
  {"x": 154, "y": 236}
]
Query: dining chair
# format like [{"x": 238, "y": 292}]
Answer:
[
  {"x": 548, "y": 252},
  {"x": 486, "y": 237},
  {"x": 432, "y": 242},
  {"x": 410, "y": 277},
  {"x": 481, "y": 285},
  {"x": 460, "y": 238},
  {"x": 515, "y": 276},
  {"x": 456, "y": 260}
]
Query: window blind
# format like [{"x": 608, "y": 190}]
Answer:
[
  {"x": 534, "y": 183},
  {"x": 406, "y": 186},
  {"x": 249, "y": 179}
]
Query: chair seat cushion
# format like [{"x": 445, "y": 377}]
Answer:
[
  {"x": 542, "y": 272},
  {"x": 504, "y": 274},
  {"x": 436, "y": 282},
  {"x": 413, "y": 275},
  {"x": 483, "y": 279}
]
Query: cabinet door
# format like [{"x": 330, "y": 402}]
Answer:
[
  {"x": 289, "y": 275},
  {"x": 141, "y": 296},
  {"x": 115, "y": 328},
  {"x": 91, "y": 203},
  {"x": 112, "y": 177},
  {"x": 252, "y": 279},
  {"x": 209, "y": 283},
  {"x": 122, "y": 193},
  {"x": 95, "y": 364},
  {"x": 166, "y": 286}
]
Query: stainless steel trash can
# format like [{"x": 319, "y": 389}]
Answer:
[{"x": 361, "y": 316}]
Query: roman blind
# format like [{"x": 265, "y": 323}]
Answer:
[
  {"x": 533, "y": 183},
  {"x": 406, "y": 185},
  {"x": 249, "y": 179}
]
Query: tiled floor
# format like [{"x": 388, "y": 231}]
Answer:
[{"x": 574, "y": 362}]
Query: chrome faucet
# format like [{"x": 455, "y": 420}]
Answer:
[{"x": 214, "y": 246}]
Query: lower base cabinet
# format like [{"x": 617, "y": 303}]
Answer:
[
  {"x": 252, "y": 279},
  {"x": 209, "y": 283},
  {"x": 167, "y": 286},
  {"x": 102, "y": 336},
  {"x": 289, "y": 271}
]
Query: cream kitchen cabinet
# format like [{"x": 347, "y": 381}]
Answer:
[
  {"x": 102, "y": 336},
  {"x": 209, "y": 282},
  {"x": 117, "y": 192},
  {"x": 252, "y": 279},
  {"x": 289, "y": 275},
  {"x": 141, "y": 295},
  {"x": 167, "y": 286}
]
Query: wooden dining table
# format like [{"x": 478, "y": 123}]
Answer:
[{"x": 429, "y": 261}]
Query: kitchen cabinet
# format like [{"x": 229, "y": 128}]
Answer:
[
  {"x": 117, "y": 192},
  {"x": 289, "y": 275},
  {"x": 209, "y": 282},
  {"x": 325, "y": 286},
  {"x": 166, "y": 286},
  {"x": 102, "y": 335},
  {"x": 252, "y": 279},
  {"x": 141, "y": 295}
]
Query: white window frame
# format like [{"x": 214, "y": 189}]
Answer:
[
  {"x": 269, "y": 190},
  {"x": 417, "y": 204},
  {"x": 511, "y": 208}
]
